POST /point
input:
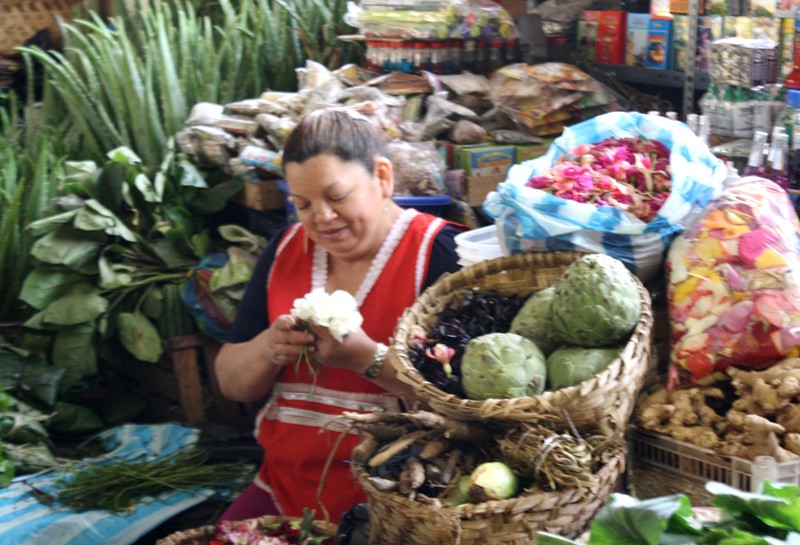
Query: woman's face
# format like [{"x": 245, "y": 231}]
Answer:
[{"x": 341, "y": 204}]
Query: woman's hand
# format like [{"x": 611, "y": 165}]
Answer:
[
  {"x": 355, "y": 352},
  {"x": 287, "y": 341}
]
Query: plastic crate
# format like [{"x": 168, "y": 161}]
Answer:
[
  {"x": 477, "y": 245},
  {"x": 660, "y": 465}
]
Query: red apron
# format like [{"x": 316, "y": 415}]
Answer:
[{"x": 295, "y": 427}]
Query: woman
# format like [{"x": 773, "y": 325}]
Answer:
[{"x": 351, "y": 236}]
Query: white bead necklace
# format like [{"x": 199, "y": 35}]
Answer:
[{"x": 319, "y": 273}]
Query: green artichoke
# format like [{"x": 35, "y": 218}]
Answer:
[
  {"x": 571, "y": 365},
  {"x": 534, "y": 321},
  {"x": 596, "y": 302},
  {"x": 502, "y": 365}
]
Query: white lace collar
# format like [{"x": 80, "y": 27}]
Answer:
[{"x": 319, "y": 273}]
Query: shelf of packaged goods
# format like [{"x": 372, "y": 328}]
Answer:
[{"x": 654, "y": 76}]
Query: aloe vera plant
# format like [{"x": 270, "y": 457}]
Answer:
[
  {"x": 133, "y": 82},
  {"x": 28, "y": 166}
]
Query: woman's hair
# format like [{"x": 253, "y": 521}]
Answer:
[{"x": 347, "y": 135}]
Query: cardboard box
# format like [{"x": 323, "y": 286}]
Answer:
[
  {"x": 659, "y": 35},
  {"x": 610, "y": 37},
  {"x": 263, "y": 194},
  {"x": 709, "y": 28},
  {"x": 680, "y": 41},
  {"x": 531, "y": 151},
  {"x": 636, "y": 43},
  {"x": 682, "y": 7},
  {"x": 737, "y": 27},
  {"x": 745, "y": 63},
  {"x": 486, "y": 160},
  {"x": 587, "y": 34},
  {"x": 766, "y": 27},
  {"x": 477, "y": 187}
]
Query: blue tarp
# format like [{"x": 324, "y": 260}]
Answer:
[{"x": 26, "y": 521}]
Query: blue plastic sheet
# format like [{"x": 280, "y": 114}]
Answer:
[
  {"x": 529, "y": 219},
  {"x": 26, "y": 521}
]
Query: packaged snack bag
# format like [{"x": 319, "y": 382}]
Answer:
[{"x": 734, "y": 284}]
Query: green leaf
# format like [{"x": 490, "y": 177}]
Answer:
[
  {"x": 113, "y": 275},
  {"x": 776, "y": 508},
  {"x": 117, "y": 227},
  {"x": 42, "y": 286},
  {"x": 68, "y": 246},
  {"x": 124, "y": 155},
  {"x": 146, "y": 188},
  {"x": 151, "y": 305},
  {"x": 74, "y": 351},
  {"x": 80, "y": 304},
  {"x": 624, "y": 520},
  {"x": 80, "y": 173},
  {"x": 210, "y": 201},
  {"x": 71, "y": 418},
  {"x": 46, "y": 225},
  {"x": 108, "y": 187},
  {"x": 190, "y": 176},
  {"x": 6, "y": 470},
  {"x": 139, "y": 336},
  {"x": 41, "y": 381},
  {"x": 87, "y": 220}
]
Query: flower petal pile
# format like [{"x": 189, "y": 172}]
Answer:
[
  {"x": 631, "y": 174},
  {"x": 253, "y": 532}
]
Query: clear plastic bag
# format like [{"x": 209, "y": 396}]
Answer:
[
  {"x": 418, "y": 168},
  {"x": 734, "y": 284}
]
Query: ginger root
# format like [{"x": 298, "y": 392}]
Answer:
[
  {"x": 759, "y": 437},
  {"x": 769, "y": 391},
  {"x": 683, "y": 415}
]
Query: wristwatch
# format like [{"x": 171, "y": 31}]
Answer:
[{"x": 373, "y": 370}]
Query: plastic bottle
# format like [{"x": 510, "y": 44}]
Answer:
[
  {"x": 793, "y": 79},
  {"x": 704, "y": 128},
  {"x": 495, "y": 55},
  {"x": 692, "y": 121},
  {"x": 468, "y": 56},
  {"x": 790, "y": 120},
  {"x": 779, "y": 173},
  {"x": 755, "y": 161},
  {"x": 437, "y": 57}
]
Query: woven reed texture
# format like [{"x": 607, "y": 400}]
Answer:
[
  {"x": 21, "y": 19},
  {"x": 202, "y": 535},
  {"x": 396, "y": 520},
  {"x": 605, "y": 401}
]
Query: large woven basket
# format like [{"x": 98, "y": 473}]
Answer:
[
  {"x": 396, "y": 520},
  {"x": 607, "y": 398},
  {"x": 202, "y": 535},
  {"x": 21, "y": 19}
]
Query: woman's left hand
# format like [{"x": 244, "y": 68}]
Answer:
[{"x": 355, "y": 352}]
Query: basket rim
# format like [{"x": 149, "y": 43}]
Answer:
[{"x": 427, "y": 392}]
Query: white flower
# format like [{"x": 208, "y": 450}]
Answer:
[{"x": 337, "y": 311}]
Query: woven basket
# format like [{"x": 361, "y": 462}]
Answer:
[
  {"x": 21, "y": 19},
  {"x": 202, "y": 535},
  {"x": 396, "y": 520},
  {"x": 606, "y": 398}
]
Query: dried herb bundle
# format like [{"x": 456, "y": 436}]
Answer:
[{"x": 117, "y": 485}]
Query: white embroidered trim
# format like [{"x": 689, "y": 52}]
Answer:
[
  {"x": 319, "y": 274},
  {"x": 424, "y": 248},
  {"x": 358, "y": 401}
]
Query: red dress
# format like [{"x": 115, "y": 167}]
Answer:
[{"x": 297, "y": 426}]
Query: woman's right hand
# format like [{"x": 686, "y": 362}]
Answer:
[{"x": 287, "y": 341}]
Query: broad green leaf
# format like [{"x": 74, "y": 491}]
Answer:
[
  {"x": 175, "y": 250},
  {"x": 79, "y": 172},
  {"x": 118, "y": 227},
  {"x": 113, "y": 275},
  {"x": 46, "y": 225},
  {"x": 190, "y": 176},
  {"x": 124, "y": 155},
  {"x": 624, "y": 520},
  {"x": 42, "y": 285},
  {"x": 108, "y": 187},
  {"x": 139, "y": 336},
  {"x": 209, "y": 201},
  {"x": 6, "y": 469},
  {"x": 68, "y": 246},
  {"x": 151, "y": 305},
  {"x": 88, "y": 220},
  {"x": 38, "y": 323},
  {"x": 146, "y": 188},
  {"x": 82, "y": 303},
  {"x": 41, "y": 381},
  {"x": 74, "y": 351},
  {"x": 775, "y": 508},
  {"x": 201, "y": 244},
  {"x": 242, "y": 237},
  {"x": 30, "y": 458},
  {"x": 71, "y": 418},
  {"x": 237, "y": 270}
]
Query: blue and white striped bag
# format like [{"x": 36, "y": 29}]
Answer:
[
  {"x": 26, "y": 521},
  {"x": 529, "y": 219}
]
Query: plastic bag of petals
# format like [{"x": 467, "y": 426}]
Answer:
[{"x": 734, "y": 284}]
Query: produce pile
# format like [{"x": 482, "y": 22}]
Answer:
[
  {"x": 630, "y": 173},
  {"x": 269, "y": 532},
  {"x": 559, "y": 337},
  {"x": 756, "y": 414},
  {"x": 442, "y": 462}
]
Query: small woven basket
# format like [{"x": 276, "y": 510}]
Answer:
[
  {"x": 607, "y": 398},
  {"x": 202, "y": 535},
  {"x": 396, "y": 520},
  {"x": 21, "y": 19}
]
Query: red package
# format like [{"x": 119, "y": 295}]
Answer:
[{"x": 734, "y": 284}]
